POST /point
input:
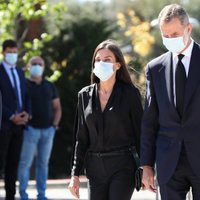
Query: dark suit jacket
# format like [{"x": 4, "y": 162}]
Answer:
[
  {"x": 9, "y": 98},
  {"x": 0, "y": 109},
  {"x": 163, "y": 132}
]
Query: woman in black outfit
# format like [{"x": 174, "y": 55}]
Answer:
[{"x": 107, "y": 126}]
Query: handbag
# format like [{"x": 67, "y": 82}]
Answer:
[{"x": 139, "y": 171}]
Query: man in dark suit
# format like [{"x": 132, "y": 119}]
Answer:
[
  {"x": 15, "y": 115},
  {"x": 0, "y": 109},
  {"x": 171, "y": 123}
]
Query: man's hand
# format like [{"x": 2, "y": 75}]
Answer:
[
  {"x": 20, "y": 118},
  {"x": 25, "y": 116},
  {"x": 148, "y": 179},
  {"x": 74, "y": 186}
]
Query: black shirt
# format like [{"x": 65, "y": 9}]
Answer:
[
  {"x": 117, "y": 127},
  {"x": 41, "y": 97}
]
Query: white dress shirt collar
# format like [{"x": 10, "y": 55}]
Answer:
[{"x": 8, "y": 66}]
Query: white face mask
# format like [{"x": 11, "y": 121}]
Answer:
[
  {"x": 11, "y": 58},
  {"x": 103, "y": 70},
  {"x": 174, "y": 45}
]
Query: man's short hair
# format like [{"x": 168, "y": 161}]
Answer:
[
  {"x": 172, "y": 11},
  {"x": 9, "y": 43}
]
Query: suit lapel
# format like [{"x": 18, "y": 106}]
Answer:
[
  {"x": 6, "y": 79},
  {"x": 169, "y": 76},
  {"x": 167, "y": 79},
  {"x": 193, "y": 76}
]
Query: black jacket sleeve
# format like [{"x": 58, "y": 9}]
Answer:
[
  {"x": 149, "y": 123},
  {"x": 136, "y": 115},
  {"x": 81, "y": 139}
]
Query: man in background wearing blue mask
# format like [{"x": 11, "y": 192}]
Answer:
[
  {"x": 171, "y": 123},
  {"x": 15, "y": 109},
  {"x": 39, "y": 135}
]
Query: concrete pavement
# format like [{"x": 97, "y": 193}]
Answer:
[{"x": 57, "y": 190}]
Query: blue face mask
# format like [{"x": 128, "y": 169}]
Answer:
[
  {"x": 11, "y": 58},
  {"x": 36, "y": 70}
]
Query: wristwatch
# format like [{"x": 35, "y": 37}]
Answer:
[{"x": 56, "y": 127}]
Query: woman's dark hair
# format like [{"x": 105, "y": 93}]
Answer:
[{"x": 122, "y": 74}]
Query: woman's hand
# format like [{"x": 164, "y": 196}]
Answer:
[{"x": 74, "y": 186}]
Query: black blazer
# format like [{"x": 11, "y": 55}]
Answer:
[
  {"x": 163, "y": 132},
  {"x": 117, "y": 127},
  {"x": 9, "y": 98}
]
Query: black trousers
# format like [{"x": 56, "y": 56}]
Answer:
[
  {"x": 10, "y": 149},
  {"x": 110, "y": 178},
  {"x": 181, "y": 181}
]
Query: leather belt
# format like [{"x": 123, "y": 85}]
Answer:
[{"x": 112, "y": 153}]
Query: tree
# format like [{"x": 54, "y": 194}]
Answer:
[
  {"x": 16, "y": 17},
  {"x": 138, "y": 36},
  {"x": 22, "y": 20}
]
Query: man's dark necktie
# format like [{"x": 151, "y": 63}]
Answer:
[
  {"x": 15, "y": 88},
  {"x": 180, "y": 81}
]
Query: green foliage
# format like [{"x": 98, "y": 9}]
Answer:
[
  {"x": 13, "y": 12},
  {"x": 35, "y": 47},
  {"x": 15, "y": 23}
]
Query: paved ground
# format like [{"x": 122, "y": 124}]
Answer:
[{"x": 57, "y": 190}]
